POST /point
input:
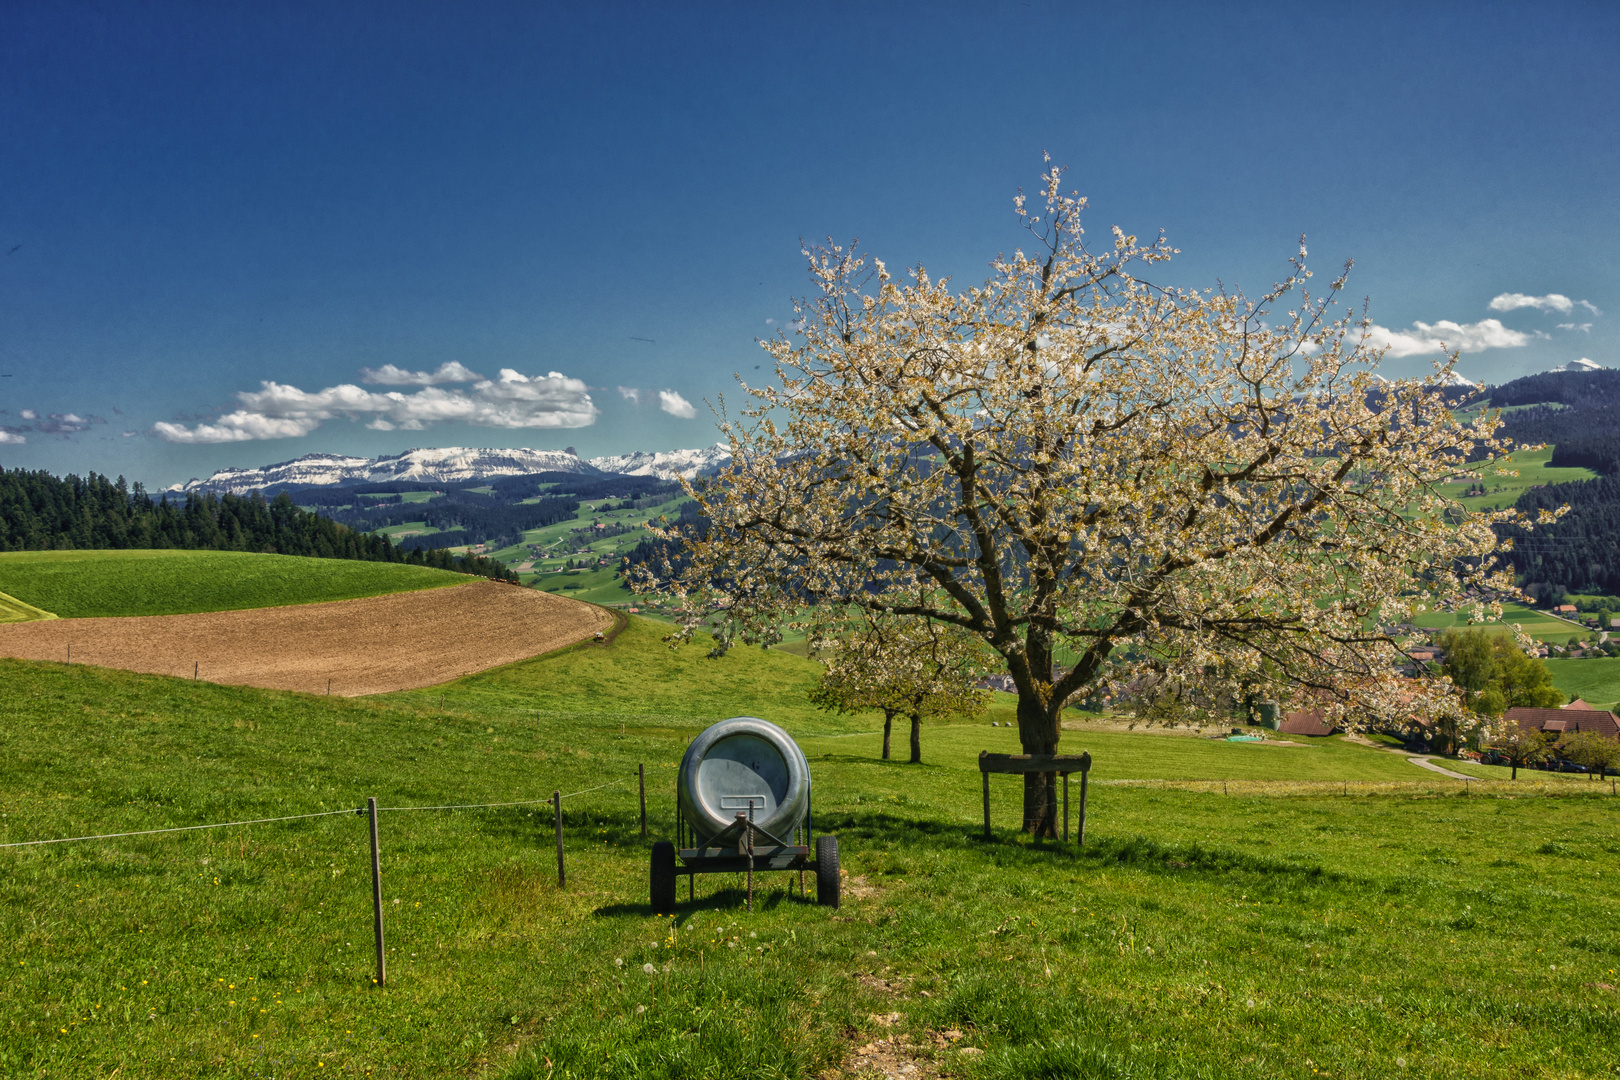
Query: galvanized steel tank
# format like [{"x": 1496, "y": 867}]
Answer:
[{"x": 743, "y": 762}]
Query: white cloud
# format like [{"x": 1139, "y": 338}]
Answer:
[
  {"x": 130, "y": 434},
  {"x": 1589, "y": 306},
  {"x": 29, "y": 414},
  {"x": 238, "y": 426},
  {"x": 514, "y": 400},
  {"x": 1431, "y": 338},
  {"x": 675, "y": 405},
  {"x": 7, "y": 438},
  {"x": 1512, "y": 301},
  {"x": 450, "y": 371},
  {"x": 1586, "y": 326},
  {"x": 631, "y": 394}
]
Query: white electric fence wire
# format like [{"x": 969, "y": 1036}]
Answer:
[
  {"x": 182, "y": 828},
  {"x": 300, "y": 817},
  {"x": 522, "y": 802}
]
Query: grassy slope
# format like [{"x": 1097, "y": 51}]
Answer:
[
  {"x": 75, "y": 584},
  {"x": 559, "y": 543},
  {"x": 14, "y": 610},
  {"x": 1538, "y": 624},
  {"x": 1596, "y": 680},
  {"x": 1503, "y": 491},
  {"x": 1197, "y": 935}
]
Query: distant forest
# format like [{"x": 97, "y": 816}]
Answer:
[
  {"x": 1578, "y": 413},
  {"x": 39, "y": 512},
  {"x": 497, "y": 518}
]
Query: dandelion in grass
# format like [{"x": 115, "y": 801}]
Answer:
[{"x": 649, "y": 969}]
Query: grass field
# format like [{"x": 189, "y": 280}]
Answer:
[
  {"x": 574, "y": 540},
  {"x": 1503, "y": 491},
  {"x": 1595, "y": 680},
  {"x": 78, "y": 584},
  {"x": 1412, "y": 932},
  {"x": 14, "y": 610},
  {"x": 1538, "y": 624}
]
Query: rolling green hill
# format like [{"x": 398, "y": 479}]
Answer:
[
  {"x": 14, "y": 610},
  {"x": 1384, "y": 929},
  {"x": 1595, "y": 680},
  {"x": 1502, "y": 491},
  {"x": 78, "y": 584}
]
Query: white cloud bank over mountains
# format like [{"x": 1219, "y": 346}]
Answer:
[
  {"x": 512, "y": 400},
  {"x": 1429, "y": 339}
]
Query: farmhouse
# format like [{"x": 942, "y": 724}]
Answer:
[
  {"x": 1566, "y": 721},
  {"x": 1310, "y": 723}
]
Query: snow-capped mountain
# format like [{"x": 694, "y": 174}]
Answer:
[
  {"x": 451, "y": 464},
  {"x": 1583, "y": 364},
  {"x": 426, "y": 465},
  {"x": 666, "y": 464},
  {"x": 1454, "y": 379}
]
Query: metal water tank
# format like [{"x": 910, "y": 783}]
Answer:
[{"x": 740, "y": 764}]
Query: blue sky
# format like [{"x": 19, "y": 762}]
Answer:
[{"x": 201, "y": 199}]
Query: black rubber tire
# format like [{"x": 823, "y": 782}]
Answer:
[
  {"x": 663, "y": 878},
  {"x": 828, "y": 886}
]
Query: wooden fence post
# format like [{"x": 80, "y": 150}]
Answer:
[
  {"x": 376, "y": 893},
  {"x": 556, "y": 813},
  {"x": 986, "y": 776},
  {"x": 1065, "y": 808},
  {"x": 641, "y": 775},
  {"x": 1085, "y": 775}
]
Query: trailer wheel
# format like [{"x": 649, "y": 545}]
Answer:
[
  {"x": 663, "y": 878},
  {"x": 827, "y": 883}
]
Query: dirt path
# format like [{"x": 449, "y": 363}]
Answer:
[{"x": 370, "y": 646}]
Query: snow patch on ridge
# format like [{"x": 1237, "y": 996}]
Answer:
[{"x": 452, "y": 464}]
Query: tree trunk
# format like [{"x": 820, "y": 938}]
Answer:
[
  {"x": 1038, "y": 734},
  {"x": 1515, "y": 775},
  {"x": 916, "y": 739},
  {"x": 888, "y": 725}
]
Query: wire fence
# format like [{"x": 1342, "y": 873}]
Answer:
[
  {"x": 1436, "y": 786},
  {"x": 372, "y": 812},
  {"x": 361, "y": 811}
]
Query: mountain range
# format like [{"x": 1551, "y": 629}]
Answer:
[{"x": 454, "y": 464}]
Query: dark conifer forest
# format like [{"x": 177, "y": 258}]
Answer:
[
  {"x": 1578, "y": 414},
  {"x": 40, "y": 512}
]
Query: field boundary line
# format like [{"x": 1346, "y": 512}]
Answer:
[{"x": 180, "y": 828}]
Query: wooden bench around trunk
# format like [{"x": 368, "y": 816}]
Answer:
[{"x": 1062, "y": 764}]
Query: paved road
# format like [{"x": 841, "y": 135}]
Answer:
[{"x": 1425, "y": 763}]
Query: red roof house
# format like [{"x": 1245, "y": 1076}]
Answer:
[
  {"x": 1304, "y": 723},
  {"x": 1557, "y": 722}
]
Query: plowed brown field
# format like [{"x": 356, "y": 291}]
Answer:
[{"x": 370, "y": 646}]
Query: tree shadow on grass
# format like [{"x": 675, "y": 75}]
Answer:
[{"x": 1015, "y": 850}]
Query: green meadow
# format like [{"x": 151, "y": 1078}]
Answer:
[
  {"x": 80, "y": 584},
  {"x": 1337, "y": 912},
  {"x": 1540, "y": 625},
  {"x": 1596, "y": 680},
  {"x": 14, "y": 610},
  {"x": 1502, "y": 491}
]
